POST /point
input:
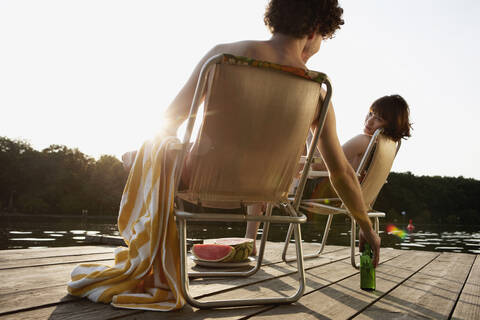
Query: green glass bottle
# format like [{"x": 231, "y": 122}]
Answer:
[{"x": 367, "y": 271}]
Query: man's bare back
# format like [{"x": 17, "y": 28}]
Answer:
[{"x": 261, "y": 50}]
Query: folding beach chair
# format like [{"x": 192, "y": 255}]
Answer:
[
  {"x": 372, "y": 171},
  {"x": 256, "y": 119}
]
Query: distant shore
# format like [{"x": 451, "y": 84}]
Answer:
[{"x": 19, "y": 214}]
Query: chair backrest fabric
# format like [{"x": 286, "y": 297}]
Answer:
[
  {"x": 378, "y": 168},
  {"x": 255, "y": 123}
]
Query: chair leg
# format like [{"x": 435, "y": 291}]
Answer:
[
  {"x": 243, "y": 302},
  {"x": 263, "y": 241},
  {"x": 353, "y": 237},
  {"x": 299, "y": 250},
  {"x": 249, "y": 272},
  {"x": 287, "y": 242},
  {"x": 308, "y": 256},
  {"x": 182, "y": 235}
]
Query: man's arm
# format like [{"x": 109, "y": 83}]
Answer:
[
  {"x": 345, "y": 182},
  {"x": 178, "y": 110}
]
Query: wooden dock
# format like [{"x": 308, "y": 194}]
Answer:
[{"x": 410, "y": 285}]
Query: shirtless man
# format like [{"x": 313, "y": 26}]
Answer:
[{"x": 298, "y": 28}]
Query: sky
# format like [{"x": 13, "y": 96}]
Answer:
[{"x": 97, "y": 75}]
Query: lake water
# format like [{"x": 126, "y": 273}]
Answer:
[{"x": 19, "y": 232}]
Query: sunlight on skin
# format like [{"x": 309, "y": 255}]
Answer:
[{"x": 196, "y": 127}]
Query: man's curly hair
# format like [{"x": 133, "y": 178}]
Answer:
[{"x": 299, "y": 18}]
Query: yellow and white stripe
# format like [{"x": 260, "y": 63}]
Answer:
[{"x": 146, "y": 275}]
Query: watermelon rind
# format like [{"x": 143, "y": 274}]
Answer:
[
  {"x": 243, "y": 247},
  {"x": 230, "y": 257}
]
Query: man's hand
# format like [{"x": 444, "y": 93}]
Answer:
[{"x": 374, "y": 240}]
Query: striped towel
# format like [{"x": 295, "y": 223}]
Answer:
[{"x": 146, "y": 275}]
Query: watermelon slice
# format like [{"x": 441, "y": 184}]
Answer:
[
  {"x": 243, "y": 248},
  {"x": 213, "y": 252},
  {"x": 233, "y": 241}
]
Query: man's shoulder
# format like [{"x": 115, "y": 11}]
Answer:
[{"x": 239, "y": 48}]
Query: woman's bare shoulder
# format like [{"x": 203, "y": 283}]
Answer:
[
  {"x": 364, "y": 138},
  {"x": 357, "y": 144},
  {"x": 361, "y": 138}
]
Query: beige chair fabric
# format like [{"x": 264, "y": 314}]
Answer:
[
  {"x": 378, "y": 169},
  {"x": 256, "y": 120},
  {"x": 254, "y": 125}
]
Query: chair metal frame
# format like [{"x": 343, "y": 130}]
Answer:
[
  {"x": 333, "y": 210},
  {"x": 293, "y": 217}
]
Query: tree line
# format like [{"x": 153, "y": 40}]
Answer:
[
  {"x": 431, "y": 200},
  {"x": 60, "y": 180}
]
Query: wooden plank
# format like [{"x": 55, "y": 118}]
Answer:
[
  {"x": 30, "y": 278},
  {"x": 104, "y": 312},
  {"x": 34, "y": 298},
  {"x": 344, "y": 298},
  {"x": 22, "y": 254},
  {"x": 31, "y": 257},
  {"x": 84, "y": 309},
  {"x": 316, "y": 277},
  {"x": 48, "y": 283},
  {"x": 81, "y": 309},
  {"x": 89, "y": 254},
  {"x": 342, "y": 292},
  {"x": 468, "y": 305},
  {"x": 202, "y": 287},
  {"x": 430, "y": 293},
  {"x": 36, "y": 262},
  {"x": 51, "y": 286}
]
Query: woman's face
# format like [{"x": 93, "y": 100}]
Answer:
[{"x": 372, "y": 122}]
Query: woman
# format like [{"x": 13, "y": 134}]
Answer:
[{"x": 390, "y": 113}]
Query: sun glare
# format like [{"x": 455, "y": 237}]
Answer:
[{"x": 196, "y": 127}]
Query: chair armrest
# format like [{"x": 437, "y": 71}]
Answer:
[
  {"x": 303, "y": 159},
  {"x": 322, "y": 208},
  {"x": 322, "y": 200},
  {"x": 376, "y": 214},
  {"x": 315, "y": 174}
]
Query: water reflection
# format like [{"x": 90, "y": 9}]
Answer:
[
  {"x": 35, "y": 232},
  {"x": 457, "y": 241},
  {"x": 19, "y": 232}
]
